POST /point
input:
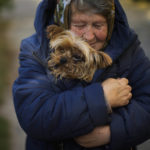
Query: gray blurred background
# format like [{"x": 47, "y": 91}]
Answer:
[{"x": 16, "y": 23}]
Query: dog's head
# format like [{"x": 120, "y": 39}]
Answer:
[{"x": 70, "y": 57}]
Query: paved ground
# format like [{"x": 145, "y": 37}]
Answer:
[{"x": 21, "y": 19}]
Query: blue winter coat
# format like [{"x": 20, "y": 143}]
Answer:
[{"x": 51, "y": 113}]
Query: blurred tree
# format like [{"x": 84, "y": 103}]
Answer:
[
  {"x": 5, "y": 4},
  {"x": 141, "y": 0}
]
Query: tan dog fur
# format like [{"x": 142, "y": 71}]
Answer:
[{"x": 72, "y": 57}]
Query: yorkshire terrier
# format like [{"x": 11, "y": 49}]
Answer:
[{"x": 72, "y": 57}]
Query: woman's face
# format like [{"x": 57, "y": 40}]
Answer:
[{"x": 90, "y": 27}]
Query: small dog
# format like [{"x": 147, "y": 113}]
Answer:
[{"x": 73, "y": 58}]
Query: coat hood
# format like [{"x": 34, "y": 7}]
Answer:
[{"x": 121, "y": 38}]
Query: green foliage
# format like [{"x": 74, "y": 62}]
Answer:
[
  {"x": 141, "y": 0},
  {"x": 5, "y": 61},
  {"x": 5, "y": 4},
  {"x": 5, "y": 58},
  {"x": 4, "y": 134}
]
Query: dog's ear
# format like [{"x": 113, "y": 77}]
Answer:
[
  {"x": 102, "y": 59},
  {"x": 53, "y": 30}
]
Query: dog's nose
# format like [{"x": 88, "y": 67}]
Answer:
[{"x": 63, "y": 60}]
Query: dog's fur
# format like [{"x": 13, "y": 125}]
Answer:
[{"x": 73, "y": 58}]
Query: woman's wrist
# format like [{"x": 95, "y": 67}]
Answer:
[{"x": 98, "y": 137}]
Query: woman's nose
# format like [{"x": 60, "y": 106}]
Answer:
[{"x": 89, "y": 34}]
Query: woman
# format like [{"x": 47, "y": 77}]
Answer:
[{"x": 74, "y": 115}]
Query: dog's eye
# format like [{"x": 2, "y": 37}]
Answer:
[
  {"x": 62, "y": 50},
  {"x": 76, "y": 58}
]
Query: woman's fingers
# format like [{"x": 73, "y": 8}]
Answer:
[
  {"x": 117, "y": 92},
  {"x": 123, "y": 81}
]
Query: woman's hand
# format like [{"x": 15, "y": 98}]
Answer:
[
  {"x": 98, "y": 137},
  {"x": 117, "y": 91}
]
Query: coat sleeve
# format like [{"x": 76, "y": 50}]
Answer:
[
  {"x": 47, "y": 113},
  {"x": 130, "y": 125}
]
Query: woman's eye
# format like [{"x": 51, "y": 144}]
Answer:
[
  {"x": 79, "y": 26},
  {"x": 98, "y": 26}
]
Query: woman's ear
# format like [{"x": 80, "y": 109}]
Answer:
[{"x": 53, "y": 30}]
